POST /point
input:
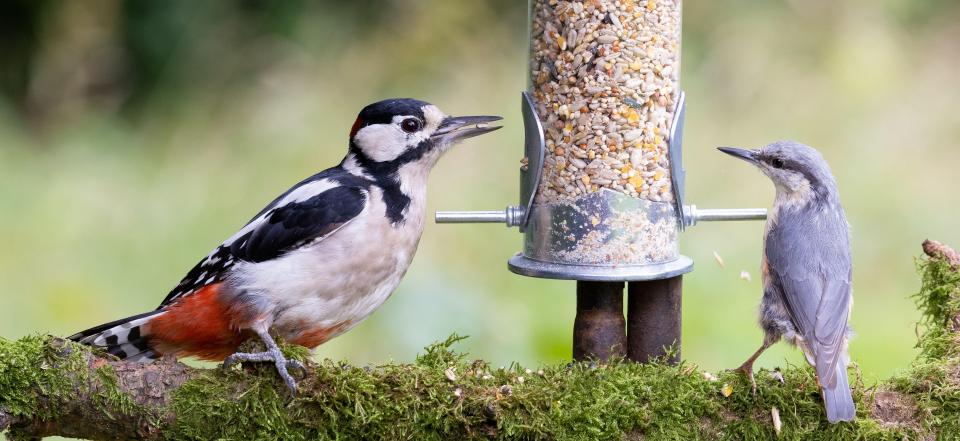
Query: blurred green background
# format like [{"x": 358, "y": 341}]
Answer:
[{"x": 136, "y": 135}]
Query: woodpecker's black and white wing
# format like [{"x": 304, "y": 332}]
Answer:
[
  {"x": 299, "y": 222},
  {"x": 310, "y": 211},
  {"x": 809, "y": 260}
]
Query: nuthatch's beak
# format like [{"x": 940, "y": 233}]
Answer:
[
  {"x": 751, "y": 156},
  {"x": 456, "y": 128}
]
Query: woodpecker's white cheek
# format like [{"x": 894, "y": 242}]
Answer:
[{"x": 381, "y": 142}]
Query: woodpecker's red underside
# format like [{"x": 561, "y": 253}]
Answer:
[
  {"x": 198, "y": 325},
  {"x": 202, "y": 325}
]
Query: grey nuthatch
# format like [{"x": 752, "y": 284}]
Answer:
[{"x": 806, "y": 268}]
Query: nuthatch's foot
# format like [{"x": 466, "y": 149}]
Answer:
[
  {"x": 747, "y": 369},
  {"x": 274, "y": 355}
]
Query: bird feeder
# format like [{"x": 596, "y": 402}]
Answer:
[{"x": 602, "y": 179}]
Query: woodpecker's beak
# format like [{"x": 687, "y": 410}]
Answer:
[
  {"x": 751, "y": 156},
  {"x": 456, "y": 128}
]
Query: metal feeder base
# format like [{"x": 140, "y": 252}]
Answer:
[{"x": 525, "y": 266}]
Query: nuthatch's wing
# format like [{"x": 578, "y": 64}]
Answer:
[{"x": 808, "y": 255}]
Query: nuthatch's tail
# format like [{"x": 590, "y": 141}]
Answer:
[{"x": 838, "y": 400}]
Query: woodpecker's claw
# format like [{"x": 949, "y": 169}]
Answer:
[
  {"x": 273, "y": 354},
  {"x": 298, "y": 366},
  {"x": 278, "y": 360}
]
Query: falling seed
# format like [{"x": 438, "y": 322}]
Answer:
[
  {"x": 451, "y": 375},
  {"x": 777, "y": 424},
  {"x": 716, "y": 256},
  {"x": 520, "y": 379},
  {"x": 726, "y": 390},
  {"x": 709, "y": 376},
  {"x": 528, "y": 371},
  {"x": 745, "y": 275},
  {"x": 458, "y": 392}
]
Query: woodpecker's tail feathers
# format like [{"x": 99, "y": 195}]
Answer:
[
  {"x": 123, "y": 338},
  {"x": 838, "y": 400}
]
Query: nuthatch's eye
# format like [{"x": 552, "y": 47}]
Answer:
[
  {"x": 776, "y": 163},
  {"x": 410, "y": 125}
]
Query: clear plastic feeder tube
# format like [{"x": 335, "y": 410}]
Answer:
[{"x": 604, "y": 81}]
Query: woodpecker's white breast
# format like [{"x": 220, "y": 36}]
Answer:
[{"x": 337, "y": 282}]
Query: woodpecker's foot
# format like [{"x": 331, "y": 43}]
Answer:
[
  {"x": 273, "y": 354},
  {"x": 747, "y": 369}
]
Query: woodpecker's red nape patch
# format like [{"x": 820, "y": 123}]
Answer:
[
  {"x": 357, "y": 125},
  {"x": 199, "y": 325}
]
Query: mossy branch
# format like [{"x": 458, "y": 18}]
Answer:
[{"x": 49, "y": 386}]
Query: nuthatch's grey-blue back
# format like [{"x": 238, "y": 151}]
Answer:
[{"x": 806, "y": 267}]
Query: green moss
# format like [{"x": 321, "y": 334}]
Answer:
[
  {"x": 574, "y": 401},
  {"x": 36, "y": 365},
  {"x": 939, "y": 303},
  {"x": 564, "y": 402},
  {"x": 934, "y": 378},
  {"x": 443, "y": 395}
]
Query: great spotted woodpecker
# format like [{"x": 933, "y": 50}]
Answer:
[{"x": 314, "y": 262}]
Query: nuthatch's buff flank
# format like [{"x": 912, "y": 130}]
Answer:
[
  {"x": 317, "y": 260},
  {"x": 806, "y": 268}
]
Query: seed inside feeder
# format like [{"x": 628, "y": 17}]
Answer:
[
  {"x": 604, "y": 81},
  {"x": 606, "y": 93}
]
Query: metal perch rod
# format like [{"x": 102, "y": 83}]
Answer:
[
  {"x": 513, "y": 215},
  {"x": 692, "y": 214}
]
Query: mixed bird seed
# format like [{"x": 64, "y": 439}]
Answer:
[
  {"x": 605, "y": 82},
  {"x": 629, "y": 237}
]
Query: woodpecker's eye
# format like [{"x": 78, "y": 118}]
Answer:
[
  {"x": 410, "y": 125},
  {"x": 776, "y": 163}
]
